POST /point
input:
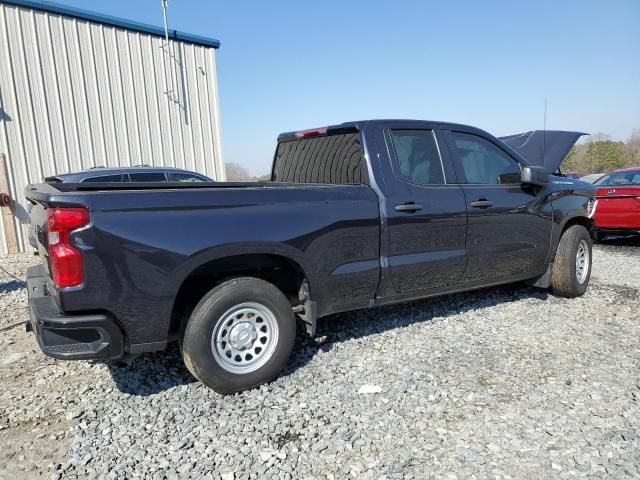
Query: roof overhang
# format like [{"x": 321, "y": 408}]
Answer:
[{"x": 113, "y": 21}]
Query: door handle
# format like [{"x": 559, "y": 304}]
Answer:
[
  {"x": 482, "y": 203},
  {"x": 408, "y": 207}
]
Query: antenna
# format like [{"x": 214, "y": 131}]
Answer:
[
  {"x": 171, "y": 93},
  {"x": 166, "y": 48},
  {"x": 544, "y": 133}
]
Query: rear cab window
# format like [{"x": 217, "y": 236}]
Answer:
[{"x": 329, "y": 157}]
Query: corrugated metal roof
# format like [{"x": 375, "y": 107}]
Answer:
[{"x": 113, "y": 21}]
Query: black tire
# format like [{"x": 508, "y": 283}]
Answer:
[
  {"x": 564, "y": 281},
  {"x": 197, "y": 348}
]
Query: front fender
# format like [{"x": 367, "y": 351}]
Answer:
[{"x": 570, "y": 207}]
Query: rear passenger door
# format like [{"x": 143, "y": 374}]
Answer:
[
  {"x": 509, "y": 230},
  {"x": 427, "y": 218}
]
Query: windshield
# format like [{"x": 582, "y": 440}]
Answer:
[{"x": 619, "y": 178}]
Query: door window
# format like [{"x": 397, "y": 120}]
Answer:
[
  {"x": 482, "y": 162},
  {"x": 620, "y": 179},
  {"x": 147, "y": 177},
  {"x": 185, "y": 177},
  {"x": 104, "y": 179},
  {"x": 417, "y": 157}
]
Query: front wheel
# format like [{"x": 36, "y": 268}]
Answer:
[
  {"x": 572, "y": 265},
  {"x": 240, "y": 335}
]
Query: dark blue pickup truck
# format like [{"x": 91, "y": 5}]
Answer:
[{"x": 355, "y": 216}]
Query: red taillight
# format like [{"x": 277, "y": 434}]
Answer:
[
  {"x": 65, "y": 261},
  {"x": 61, "y": 219},
  {"x": 66, "y": 265}
]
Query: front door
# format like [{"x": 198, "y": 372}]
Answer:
[
  {"x": 509, "y": 229},
  {"x": 426, "y": 213}
]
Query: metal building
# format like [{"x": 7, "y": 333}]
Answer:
[{"x": 80, "y": 90}]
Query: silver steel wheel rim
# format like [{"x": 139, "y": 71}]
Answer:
[
  {"x": 245, "y": 337},
  {"x": 582, "y": 262}
]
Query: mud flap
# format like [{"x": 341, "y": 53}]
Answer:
[
  {"x": 308, "y": 315},
  {"x": 544, "y": 281}
]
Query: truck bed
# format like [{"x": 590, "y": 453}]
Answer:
[
  {"x": 144, "y": 240},
  {"x": 42, "y": 191}
]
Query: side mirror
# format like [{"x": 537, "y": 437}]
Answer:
[{"x": 534, "y": 176}]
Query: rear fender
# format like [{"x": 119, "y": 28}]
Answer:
[{"x": 243, "y": 248}]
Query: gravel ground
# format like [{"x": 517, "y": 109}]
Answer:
[{"x": 500, "y": 383}]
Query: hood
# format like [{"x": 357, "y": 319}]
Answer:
[{"x": 545, "y": 148}]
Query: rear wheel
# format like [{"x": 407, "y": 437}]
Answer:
[
  {"x": 572, "y": 265},
  {"x": 240, "y": 335}
]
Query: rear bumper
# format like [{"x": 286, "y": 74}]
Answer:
[{"x": 76, "y": 337}]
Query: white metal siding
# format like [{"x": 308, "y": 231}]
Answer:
[{"x": 76, "y": 94}]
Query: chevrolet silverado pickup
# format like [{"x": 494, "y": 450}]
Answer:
[{"x": 355, "y": 216}]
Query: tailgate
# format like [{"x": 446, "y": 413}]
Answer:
[
  {"x": 38, "y": 198},
  {"x": 38, "y": 228}
]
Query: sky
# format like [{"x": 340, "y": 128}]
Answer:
[{"x": 292, "y": 65}]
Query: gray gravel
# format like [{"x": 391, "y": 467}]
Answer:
[{"x": 501, "y": 383}]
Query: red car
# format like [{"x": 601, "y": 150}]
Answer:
[{"x": 618, "y": 202}]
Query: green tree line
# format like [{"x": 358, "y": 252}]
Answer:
[{"x": 600, "y": 154}]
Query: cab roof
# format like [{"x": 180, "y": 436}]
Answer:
[{"x": 357, "y": 125}]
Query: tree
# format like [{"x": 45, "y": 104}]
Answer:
[
  {"x": 236, "y": 173},
  {"x": 600, "y": 154},
  {"x": 632, "y": 149},
  {"x": 573, "y": 162},
  {"x": 604, "y": 156}
]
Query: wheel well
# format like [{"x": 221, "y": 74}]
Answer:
[
  {"x": 280, "y": 271},
  {"x": 584, "y": 221}
]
